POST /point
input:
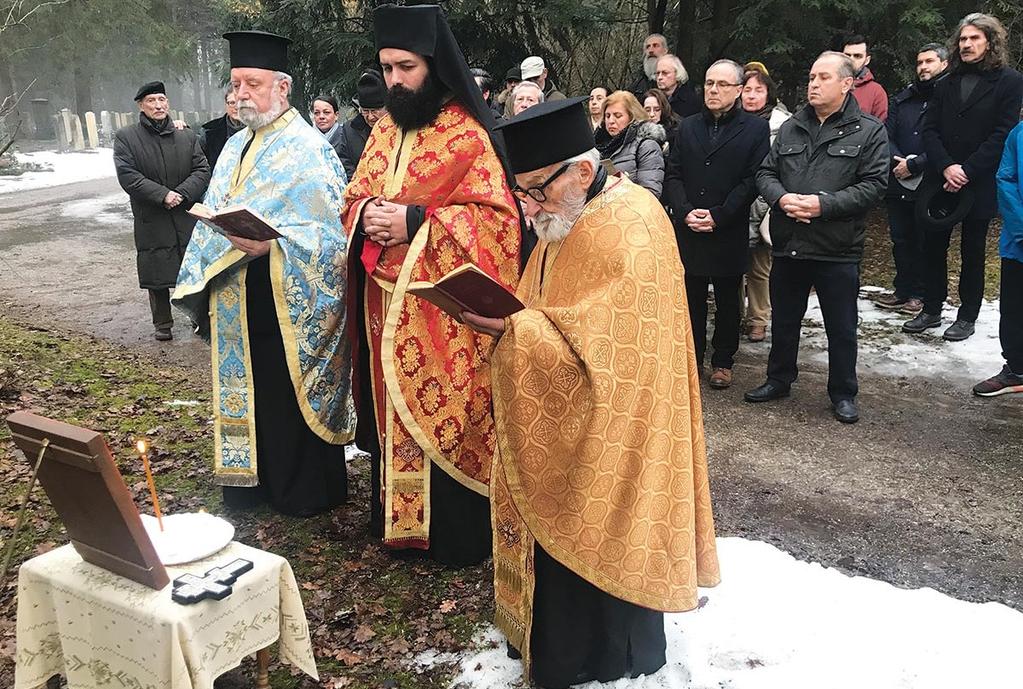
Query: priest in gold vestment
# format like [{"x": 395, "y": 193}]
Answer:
[
  {"x": 600, "y": 499},
  {"x": 430, "y": 193}
]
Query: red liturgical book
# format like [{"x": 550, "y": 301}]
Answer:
[
  {"x": 467, "y": 288},
  {"x": 236, "y": 221}
]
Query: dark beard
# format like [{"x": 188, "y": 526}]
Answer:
[{"x": 414, "y": 109}]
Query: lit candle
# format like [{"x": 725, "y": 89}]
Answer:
[{"x": 141, "y": 445}]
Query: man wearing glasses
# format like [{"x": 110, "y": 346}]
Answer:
[
  {"x": 355, "y": 132},
  {"x": 828, "y": 166},
  {"x": 709, "y": 186}
]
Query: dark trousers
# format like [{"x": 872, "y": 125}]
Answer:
[
  {"x": 1010, "y": 326},
  {"x": 971, "y": 276},
  {"x": 837, "y": 285},
  {"x": 727, "y": 316},
  {"x": 907, "y": 249},
  {"x": 159, "y": 305}
]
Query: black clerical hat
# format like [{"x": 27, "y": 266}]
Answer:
[
  {"x": 547, "y": 133},
  {"x": 372, "y": 90},
  {"x": 412, "y": 28},
  {"x": 938, "y": 209},
  {"x": 258, "y": 49},
  {"x": 149, "y": 89}
]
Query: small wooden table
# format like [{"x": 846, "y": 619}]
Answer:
[{"x": 98, "y": 628}]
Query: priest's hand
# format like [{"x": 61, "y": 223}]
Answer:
[
  {"x": 251, "y": 247},
  {"x": 384, "y": 222},
  {"x": 488, "y": 326}
]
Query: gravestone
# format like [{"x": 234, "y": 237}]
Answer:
[
  {"x": 91, "y": 131},
  {"x": 77, "y": 138},
  {"x": 65, "y": 137},
  {"x": 106, "y": 126}
]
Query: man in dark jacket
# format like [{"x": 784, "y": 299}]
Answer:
[
  {"x": 827, "y": 167},
  {"x": 215, "y": 133},
  {"x": 709, "y": 186},
  {"x": 654, "y": 47},
  {"x": 372, "y": 95},
  {"x": 164, "y": 171},
  {"x": 967, "y": 122},
  {"x": 908, "y": 161},
  {"x": 673, "y": 80}
]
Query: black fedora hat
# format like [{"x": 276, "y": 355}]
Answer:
[{"x": 938, "y": 209}]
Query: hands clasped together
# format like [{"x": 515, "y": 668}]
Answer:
[
  {"x": 384, "y": 222},
  {"x": 801, "y": 207}
]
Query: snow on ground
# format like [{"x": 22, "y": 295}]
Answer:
[
  {"x": 112, "y": 209},
  {"x": 777, "y": 623},
  {"x": 884, "y": 349},
  {"x": 60, "y": 168}
]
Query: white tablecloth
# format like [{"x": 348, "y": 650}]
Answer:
[{"x": 99, "y": 629}]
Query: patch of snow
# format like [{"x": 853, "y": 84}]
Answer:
[
  {"x": 111, "y": 209},
  {"x": 777, "y": 623},
  {"x": 884, "y": 349},
  {"x": 182, "y": 403},
  {"x": 353, "y": 452},
  {"x": 61, "y": 168}
]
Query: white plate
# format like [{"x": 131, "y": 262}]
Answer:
[{"x": 188, "y": 537}]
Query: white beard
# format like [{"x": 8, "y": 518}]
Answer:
[
  {"x": 553, "y": 227},
  {"x": 253, "y": 119},
  {"x": 650, "y": 67}
]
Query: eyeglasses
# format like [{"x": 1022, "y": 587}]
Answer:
[
  {"x": 718, "y": 84},
  {"x": 537, "y": 193},
  {"x": 379, "y": 112}
]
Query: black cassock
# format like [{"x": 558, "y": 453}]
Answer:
[
  {"x": 299, "y": 473},
  {"x": 581, "y": 633}
]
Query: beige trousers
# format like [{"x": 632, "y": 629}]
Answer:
[{"x": 758, "y": 286}]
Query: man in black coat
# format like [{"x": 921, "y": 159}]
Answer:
[
  {"x": 372, "y": 95},
  {"x": 709, "y": 186},
  {"x": 908, "y": 162},
  {"x": 673, "y": 80},
  {"x": 215, "y": 133},
  {"x": 164, "y": 171},
  {"x": 967, "y": 122},
  {"x": 827, "y": 167}
]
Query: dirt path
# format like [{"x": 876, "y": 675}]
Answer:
[{"x": 927, "y": 490}]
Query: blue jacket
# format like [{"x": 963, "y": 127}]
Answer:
[
  {"x": 905, "y": 131},
  {"x": 1010, "y": 196}
]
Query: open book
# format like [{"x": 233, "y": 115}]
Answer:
[
  {"x": 467, "y": 288},
  {"x": 236, "y": 221}
]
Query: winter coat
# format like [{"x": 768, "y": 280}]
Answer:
[
  {"x": 844, "y": 162},
  {"x": 333, "y": 137},
  {"x": 354, "y": 134},
  {"x": 149, "y": 164},
  {"x": 214, "y": 134},
  {"x": 905, "y": 132},
  {"x": 870, "y": 95},
  {"x": 759, "y": 212},
  {"x": 638, "y": 154},
  {"x": 551, "y": 92},
  {"x": 1010, "y": 197},
  {"x": 685, "y": 101},
  {"x": 717, "y": 174},
  {"x": 973, "y": 133},
  {"x": 640, "y": 85}
]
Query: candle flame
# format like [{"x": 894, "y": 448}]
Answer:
[{"x": 141, "y": 445}]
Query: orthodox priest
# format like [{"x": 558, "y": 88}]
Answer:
[
  {"x": 430, "y": 194},
  {"x": 275, "y": 310},
  {"x": 601, "y": 504}
]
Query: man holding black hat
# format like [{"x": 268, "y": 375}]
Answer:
[
  {"x": 601, "y": 502},
  {"x": 372, "y": 96},
  {"x": 275, "y": 310},
  {"x": 164, "y": 171},
  {"x": 429, "y": 195}
]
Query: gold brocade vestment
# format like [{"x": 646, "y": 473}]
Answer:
[{"x": 601, "y": 456}]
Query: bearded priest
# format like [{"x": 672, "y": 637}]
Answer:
[
  {"x": 430, "y": 194},
  {"x": 274, "y": 311},
  {"x": 601, "y": 504}
]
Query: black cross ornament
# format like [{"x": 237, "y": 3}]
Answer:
[{"x": 216, "y": 584}]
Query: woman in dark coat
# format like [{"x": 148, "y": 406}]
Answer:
[{"x": 709, "y": 186}]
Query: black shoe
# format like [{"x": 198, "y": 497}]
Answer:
[
  {"x": 766, "y": 392},
  {"x": 163, "y": 334},
  {"x": 846, "y": 411},
  {"x": 921, "y": 322},
  {"x": 958, "y": 331}
]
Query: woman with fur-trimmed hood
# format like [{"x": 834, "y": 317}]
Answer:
[{"x": 631, "y": 142}]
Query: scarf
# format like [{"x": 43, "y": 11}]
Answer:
[{"x": 608, "y": 145}]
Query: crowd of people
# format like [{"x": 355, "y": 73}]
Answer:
[{"x": 565, "y": 440}]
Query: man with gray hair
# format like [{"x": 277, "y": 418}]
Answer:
[
  {"x": 673, "y": 79},
  {"x": 274, "y": 309},
  {"x": 905, "y": 125},
  {"x": 654, "y": 46},
  {"x": 827, "y": 167}
]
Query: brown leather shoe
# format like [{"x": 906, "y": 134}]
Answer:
[
  {"x": 721, "y": 378},
  {"x": 757, "y": 333}
]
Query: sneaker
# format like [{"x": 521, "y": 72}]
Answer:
[
  {"x": 721, "y": 378},
  {"x": 890, "y": 301},
  {"x": 163, "y": 334},
  {"x": 912, "y": 306},
  {"x": 922, "y": 322},
  {"x": 1002, "y": 384},
  {"x": 958, "y": 331}
]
